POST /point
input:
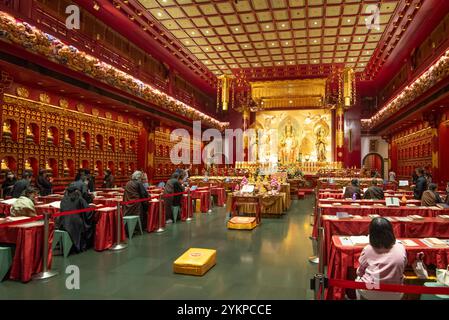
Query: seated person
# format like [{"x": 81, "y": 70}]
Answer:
[
  {"x": 353, "y": 189},
  {"x": 22, "y": 184},
  {"x": 134, "y": 190},
  {"x": 82, "y": 184},
  {"x": 374, "y": 192},
  {"x": 381, "y": 262},
  {"x": 80, "y": 225},
  {"x": 8, "y": 184},
  {"x": 431, "y": 197},
  {"x": 24, "y": 205}
]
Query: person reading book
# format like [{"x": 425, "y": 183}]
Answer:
[
  {"x": 382, "y": 261},
  {"x": 353, "y": 191},
  {"x": 374, "y": 192}
]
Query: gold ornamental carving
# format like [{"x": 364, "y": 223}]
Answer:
[
  {"x": 44, "y": 98},
  {"x": 95, "y": 112},
  {"x": 63, "y": 103},
  {"x": 80, "y": 107},
  {"x": 22, "y": 92},
  {"x": 108, "y": 115}
]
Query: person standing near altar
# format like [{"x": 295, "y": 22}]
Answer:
[
  {"x": 44, "y": 184},
  {"x": 8, "y": 184},
  {"x": 108, "y": 181}
]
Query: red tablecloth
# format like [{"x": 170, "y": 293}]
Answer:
[
  {"x": 106, "y": 228},
  {"x": 184, "y": 207},
  {"x": 153, "y": 215},
  {"x": 221, "y": 196},
  {"x": 367, "y": 210},
  {"x": 204, "y": 196},
  {"x": 50, "y": 198},
  {"x": 108, "y": 202},
  {"x": 428, "y": 227},
  {"x": 5, "y": 208},
  {"x": 363, "y": 202},
  {"x": 345, "y": 259},
  {"x": 28, "y": 239},
  {"x": 330, "y": 195}
]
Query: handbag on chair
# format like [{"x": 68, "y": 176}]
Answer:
[
  {"x": 419, "y": 267},
  {"x": 443, "y": 276}
]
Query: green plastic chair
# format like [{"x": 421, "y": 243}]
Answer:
[
  {"x": 5, "y": 261},
  {"x": 65, "y": 242},
  {"x": 176, "y": 211},
  {"x": 434, "y": 296},
  {"x": 130, "y": 224}
]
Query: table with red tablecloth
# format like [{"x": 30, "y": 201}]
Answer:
[
  {"x": 5, "y": 208},
  {"x": 28, "y": 239},
  {"x": 50, "y": 198},
  {"x": 221, "y": 196},
  {"x": 344, "y": 260},
  {"x": 153, "y": 222},
  {"x": 106, "y": 228},
  {"x": 108, "y": 202},
  {"x": 328, "y": 209},
  {"x": 364, "y": 202},
  {"x": 427, "y": 227},
  {"x": 204, "y": 197}
]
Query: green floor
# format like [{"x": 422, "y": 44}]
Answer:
[{"x": 269, "y": 262}]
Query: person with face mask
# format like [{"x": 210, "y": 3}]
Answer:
[{"x": 8, "y": 184}]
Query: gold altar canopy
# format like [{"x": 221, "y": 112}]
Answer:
[{"x": 307, "y": 93}]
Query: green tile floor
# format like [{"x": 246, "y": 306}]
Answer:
[{"x": 269, "y": 262}]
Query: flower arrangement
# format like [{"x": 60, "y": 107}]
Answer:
[
  {"x": 39, "y": 42},
  {"x": 244, "y": 181}
]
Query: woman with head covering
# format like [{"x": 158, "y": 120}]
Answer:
[
  {"x": 79, "y": 225},
  {"x": 134, "y": 190},
  {"x": 8, "y": 184}
]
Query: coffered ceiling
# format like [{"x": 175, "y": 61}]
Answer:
[{"x": 226, "y": 35}]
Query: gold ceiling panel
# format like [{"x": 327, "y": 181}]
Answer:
[{"x": 285, "y": 31}]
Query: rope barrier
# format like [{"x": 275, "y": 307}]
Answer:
[{"x": 348, "y": 284}]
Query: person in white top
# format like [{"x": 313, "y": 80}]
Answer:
[{"x": 392, "y": 176}]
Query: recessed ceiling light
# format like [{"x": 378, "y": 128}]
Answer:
[
  {"x": 187, "y": 42},
  {"x": 349, "y": 20},
  {"x": 314, "y": 41},
  {"x": 291, "y": 62},
  {"x": 246, "y": 46},
  {"x": 286, "y": 43},
  {"x": 290, "y": 101},
  {"x": 219, "y": 48},
  {"x": 236, "y": 29},
  {"x": 267, "y": 26},
  {"x": 315, "y": 23},
  {"x": 193, "y": 32},
  {"x": 159, "y": 14},
  {"x": 272, "y": 43},
  {"x": 344, "y": 39},
  {"x": 283, "y": 25},
  {"x": 207, "y": 31},
  {"x": 314, "y": 61}
]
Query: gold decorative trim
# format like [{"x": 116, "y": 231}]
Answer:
[
  {"x": 66, "y": 112},
  {"x": 80, "y": 107},
  {"x": 95, "y": 112},
  {"x": 108, "y": 115}
]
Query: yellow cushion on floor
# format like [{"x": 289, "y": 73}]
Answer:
[
  {"x": 197, "y": 205},
  {"x": 195, "y": 261},
  {"x": 242, "y": 223}
]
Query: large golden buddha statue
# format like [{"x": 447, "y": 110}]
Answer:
[
  {"x": 288, "y": 145},
  {"x": 6, "y": 130}
]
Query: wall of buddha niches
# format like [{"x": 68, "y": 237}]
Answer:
[{"x": 40, "y": 131}]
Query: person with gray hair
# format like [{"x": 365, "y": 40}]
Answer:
[{"x": 134, "y": 190}]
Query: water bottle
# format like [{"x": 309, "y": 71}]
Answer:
[{"x": 354, "y": 196}]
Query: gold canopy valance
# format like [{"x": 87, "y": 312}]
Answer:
[{"x": 306, "y": 93}]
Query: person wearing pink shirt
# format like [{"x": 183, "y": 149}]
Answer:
[{"x": 382, "y": 262}]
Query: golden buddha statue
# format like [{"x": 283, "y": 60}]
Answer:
[
  {"x": 4, "y": 165},
  {"x": 83, "y": 141},
  {"x": 109, "y": 145},
  {"x": 66, "y": 169},
  {"x": 67, "y": 140},
  {"x": 47, "y": 167},
  {"x": 29, "y": 134},
  {"x": 97, "y": 144},
  {"x": 50, "y": 137},
  {"x": 7, "y": 133},
  {"x": 28, "y": 165}
]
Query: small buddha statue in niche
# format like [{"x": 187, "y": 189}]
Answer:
[
  {"x": 29, "y": 134},
  {"x": 50, "y": 137},
  {"x": 28, "y": 165},
  {"x": 3, "y": 165},
  {"x": 7, "y": 133},
  {"x": 67, "y": 140},
  {"x": 97, "y": 144},
  {"x": 48, "y": 168},
  {"x": 83, "y": 141},
  {"x": 66, "y": 169},
  {"x": 109, "y": 145}
]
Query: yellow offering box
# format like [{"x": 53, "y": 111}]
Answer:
[
  {"x": 242, "y": 223},
  {"x": 195, "y": 261}
]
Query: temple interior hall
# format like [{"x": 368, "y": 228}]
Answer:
[{"x": 224, "y": 149}]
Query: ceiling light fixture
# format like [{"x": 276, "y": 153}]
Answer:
[
  {"x": 159, "y": 14},
  {"x": 193, "y": 33},
  {"x": 315, "y": 23},
  {"x": 349, "y": 20},
  {"x": 207, "y": 31},
  {"x": 96, "y": 6},
  {"x": 267, "y": 26},
  {"x": 283, "y": 25},
  {"x": 236, "y": 29},
  {"x": 290, "y": 101}
]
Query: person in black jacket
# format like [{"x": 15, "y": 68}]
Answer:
[
  {"x": 374, "y": 192},
  {"x": 108, "y": 180},
  {"x": 421, "y": 184},
  {"x": 173, "y": 185},
  {"x": 22, "y": 184},
  {"x": 82, "y": 186},
  {"x": 44, "y": 183},
  {"x": 8, "y": 184},
  {"x": 79, "y": 226},
  {"x": 353, "y": 189},
  {"x": 91, "y": 180}
]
